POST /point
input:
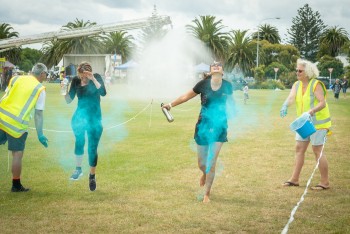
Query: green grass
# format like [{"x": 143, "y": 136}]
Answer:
[{"x": 148, "y": 180}]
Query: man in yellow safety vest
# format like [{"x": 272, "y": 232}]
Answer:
[{"x": 23, "y": 94}]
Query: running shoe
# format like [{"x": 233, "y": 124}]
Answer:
[
  {"x": 19, "y": 189},
  {"x": 92, "y": 184},
  {"x": 76, "y": 175}
]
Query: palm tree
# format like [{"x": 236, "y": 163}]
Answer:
[
  {"x": 241, "y": 51},
  {"x": 6, "y": 32},
  {"x": 346, "y": 50},
  {"x": 333, "y": 39},
  {"x": 268, "y": 33},
  {"x": 207, "y": 30},
  {"x": 80, "y": 45},
  {"x": 55, "y": 49},
  {"x": 52, "y": 54},
  {"x": 119, "y": 43}
]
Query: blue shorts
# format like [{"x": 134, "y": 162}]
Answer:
[{"x": 14, "y": 144}]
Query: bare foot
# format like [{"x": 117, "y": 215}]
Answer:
[
  {"x": 202, "y": 180},
  {"x": 206, "y": 199}
]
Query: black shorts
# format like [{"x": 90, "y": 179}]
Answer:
[
  {"x": 206, "y": 134},
  {"x": 14, "y": 144}
]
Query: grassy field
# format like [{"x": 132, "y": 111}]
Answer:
[{"x": 148, "y": 180}]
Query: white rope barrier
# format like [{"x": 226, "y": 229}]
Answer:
[
  {"x": 150, "y": 104},
  {"x": 291, "y": 219},
  {"x": 150, "y": 116},
  {"x": 117, "y": 125},
  {"x": 65, "y": 131}
]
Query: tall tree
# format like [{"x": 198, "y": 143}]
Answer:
[
  {"x": 327, "y": 62},
  {"x": 6, "y": 32},
  {"x": 346, "y": 50},
  {"x": 154, "y": 32},
  {"x": 241, "y": 51},
  {"x": 305, "y": 32},
  {"x": 333, "y": 39},
  {"x": 52, "y": 53},
  {"x": 119, "y": 43},
  {"x": 284, "y": 54},
  {"x": 80, "y": 45},
  {"x": 208, "y": 30},
  {"x": 54, "y": 50},
  {"x": 29, "y": 57},
  {"x": 268, "y": 33}
]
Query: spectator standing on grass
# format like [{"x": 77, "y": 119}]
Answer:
[
  {"x": 64, "y": 83},
  {"x": 309, "y": 94},
  {"x": 336, "y": 89},
  {"x": 108, "y": 79},
  {"x": 345, "y": 84},
  {"x": 23, "y": 94},
  {"x": 245, "y": 93}
]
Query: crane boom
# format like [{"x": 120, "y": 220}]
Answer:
[{"x": 86, "y": 31}]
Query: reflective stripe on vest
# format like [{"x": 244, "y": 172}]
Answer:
[
  {"x": 320, "y": 117},
  {"x": 19, "y": 118},
  {"x": 12, "y": 127},
  {"x": 15, "y": 108}
]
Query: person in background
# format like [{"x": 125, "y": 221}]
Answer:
[
  {"x": 108, "y": 79},
  {"x": 211, "y": 127},
  {"x": 345, "y": 84},
  {"x": 64, "y": 83},
  {"x": 245, "y": 92},
  {"x": 23, "y": 94},
  {"x": 88, "y": 87},
  {"x": 309, "y": 95},
  {"x": 336, "y": 89}
]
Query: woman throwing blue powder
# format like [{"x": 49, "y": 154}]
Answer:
[
  {"x": 88, "y": 88},
  {"x": 211, "y": 128}
]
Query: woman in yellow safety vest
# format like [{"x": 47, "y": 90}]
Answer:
[{"x": 309, "y": 94}]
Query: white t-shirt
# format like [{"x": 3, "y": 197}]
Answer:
[
  {"x": 245, "y": 89},
  {"x": 40, "y": 103},
  {"x": 65, "y": 81}
]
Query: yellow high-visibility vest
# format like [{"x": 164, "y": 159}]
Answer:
[
  {"x": 304, "y": 103},
  {"x": 17, "y": 103}
]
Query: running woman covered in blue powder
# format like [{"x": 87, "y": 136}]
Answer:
[
  {"x": 211, "y": 127},
  {"x": 88, "y": 88}
]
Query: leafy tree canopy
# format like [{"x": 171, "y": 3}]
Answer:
[
  {"x": 305, "y": 32},
  {"x": 327, "y": 62}
]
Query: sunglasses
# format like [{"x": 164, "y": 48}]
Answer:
[
  {"x": 216, "y": 65},
  {"x": 299, "y": 71},
  {"x": 46, "y": 73}
]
